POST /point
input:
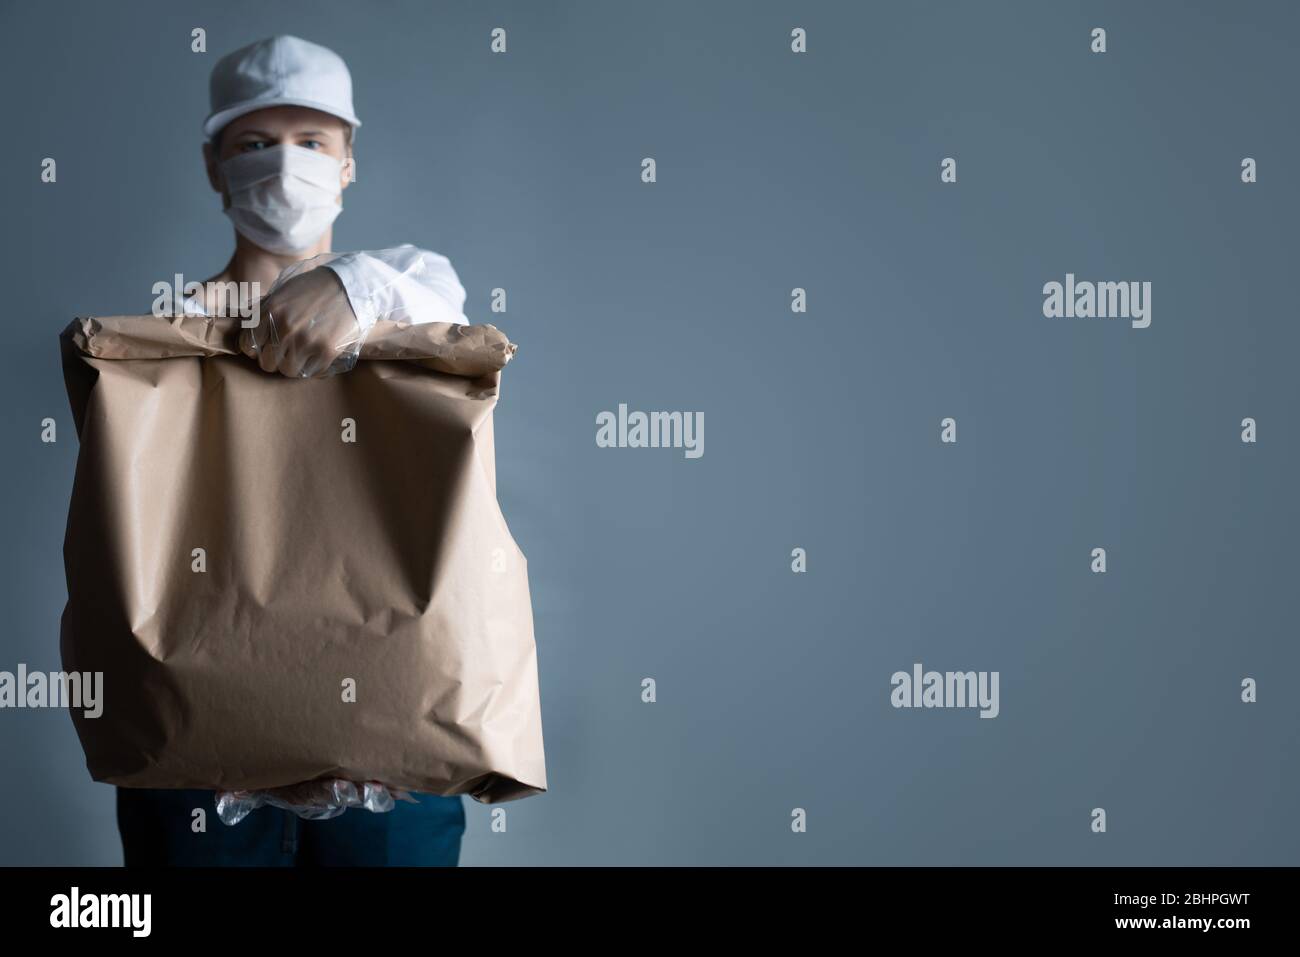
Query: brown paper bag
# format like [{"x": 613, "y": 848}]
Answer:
[{"x": 358, "y": 608}]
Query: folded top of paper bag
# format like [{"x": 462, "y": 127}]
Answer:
[{"x": 467, "y": 350}]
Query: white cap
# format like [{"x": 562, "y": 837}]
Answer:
[{"x": 279, "y": 71}]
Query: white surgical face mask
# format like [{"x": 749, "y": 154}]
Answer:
[{"x": 284, "y": 197}]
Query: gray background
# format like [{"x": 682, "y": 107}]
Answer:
[{"x": 822, "y": 430}]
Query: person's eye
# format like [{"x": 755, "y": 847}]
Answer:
[
  {"x": 312, "y": 144},
  {"x": 252, "y": 145}
]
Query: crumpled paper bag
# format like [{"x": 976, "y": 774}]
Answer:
[{"x": 286, "y": 580}]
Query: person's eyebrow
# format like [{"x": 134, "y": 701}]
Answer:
[
  {"x": 261, "y": 133},
  {"x": 313, "y": 133}
]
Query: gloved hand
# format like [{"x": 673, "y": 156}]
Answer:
[
  {"x": 306, "y": 326},
  {"x": 312, "y": 800}
]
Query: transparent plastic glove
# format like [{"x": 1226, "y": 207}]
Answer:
[
  {"x": 305, "y": 325},
  {"x": 312, "y": 800},
  {"x": 404, "y": 285}
]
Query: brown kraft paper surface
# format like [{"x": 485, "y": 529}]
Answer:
[{"x": 384, "y": 561}]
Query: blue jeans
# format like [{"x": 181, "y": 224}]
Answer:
[{"x": 157, "y": 828}]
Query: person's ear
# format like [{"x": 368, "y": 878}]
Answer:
[
  {"x": 213, "y": 166},
  {"x": 347, "y": 171}
]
